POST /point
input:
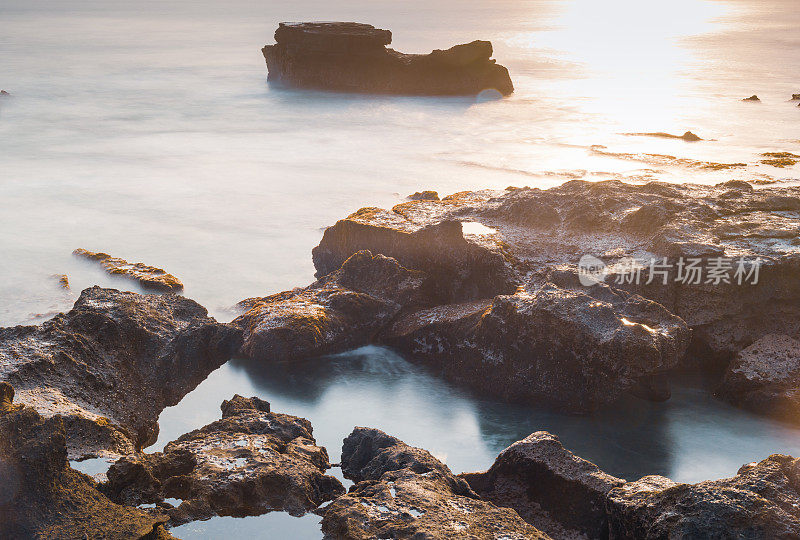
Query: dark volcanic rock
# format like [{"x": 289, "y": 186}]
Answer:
[
  {"x": 765, "y": 378},
  {"x": 148, "y": 277},
  {"x": 574, "y": 348},
  {"x": 550, "y": 487},
  {"x": 460, "y": 269},
  {"x": 42, "y": 497},
  {"x": 752, "y": 98},
  {"x": 111, "y": 364},
  {"x": 353, "y": 57},
  {"x": 761, "y": 502},
  {"x": 250, "y": 462},
  {"x": 618, "y": 223},
  {"x": 339, "y": 311},
  {"x": 404, "y": 492}
]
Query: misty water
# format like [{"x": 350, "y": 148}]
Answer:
[{"x": 147, "y": 130}]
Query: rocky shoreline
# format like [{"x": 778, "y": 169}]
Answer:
[{"x": 566, "y": 298}]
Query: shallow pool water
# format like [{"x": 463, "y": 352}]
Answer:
[{"x": 691, "y": 437}]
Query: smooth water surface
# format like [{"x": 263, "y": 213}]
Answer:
[
  {"x": 147, "y": 130},
  {"x": 691, "y": 437}
]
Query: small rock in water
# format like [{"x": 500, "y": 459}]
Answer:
[
  {"x": 752, "y": 98},
  {"x": 689, "y": 136},
  {"x": 795, "y": 97},
  {"x": 63, "y": 280},
  {"x": 4, "y": 93},
  {"x": 424, "y": 196},
  {"x": 148, "y": 277}
]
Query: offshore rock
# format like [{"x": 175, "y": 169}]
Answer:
[
  {"x": 423, "y": 196},
  {"x": 550, "y": 487},
  {"x": 340, "y": 311},
  {"x": 569, "y": 347},
  {"x": 147, "y": 276},
  {"x": 765, "y": 378},
  {"x": 752, "y": 98},
  {"x": 761, "y": 502},
  {"x": 352, "y": 57},
  {"x": 250, "y": 462},
  {"x": 112, "y": 363},
  {"x": 404, "y": 492},
  {"x": 42, "y": 497}
]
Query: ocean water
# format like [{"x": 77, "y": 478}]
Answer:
[{"x": 147, "y": 130}]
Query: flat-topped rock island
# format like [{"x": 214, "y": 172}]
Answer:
[{"x": 353, "y": 57}]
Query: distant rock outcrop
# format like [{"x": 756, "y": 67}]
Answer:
[
  {"x": 752, "y": 98},
  {"x": 352, "y": 57},
  {"x": 148, "y": 277}
]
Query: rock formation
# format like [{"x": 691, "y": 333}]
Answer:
[
  {"x": 424, "y": 195},
  {"x": 112, "y": 363},
  {"x": 556, "y": 343},
  {"x": 752, "y": 98},
  {"x": 549, "y": 486},
  {"x": 765, "y": 378},
  {"x": 762, "y": 501},
  {"x": 568, "y": 497},
  {"x": 352, "y": 57},
  {"x": 340, "y": 311},
  {"x": 250, "y": 462},
  {"x": 147, "y": 276},
  {"x": 403, "y": 492},
  {"x": 621, "y": 225},
  {"x": 42, "y": 497}
]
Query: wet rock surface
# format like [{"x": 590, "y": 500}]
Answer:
[
  {"x": 459, "y": 269},
  {"x": 762, "y": 501},
  {"x": 765, "y": 378},
  {"x": 536, "y": 231},
  {"x": 550, "y": 487},
  {"x": 352, "y": 57},
  {"x": 42, "y": 497},
  {"x": 112, "y": 363},
  {"x": 569, "y": 347},
  {"x": 250, "y": 462},
  {"x": 342, "y": 310},
  {"x": 404, "y": 492},
  {"x": 147, "y": 276}
]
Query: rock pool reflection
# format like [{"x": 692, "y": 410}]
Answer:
[{"x": 691, "y": 437}]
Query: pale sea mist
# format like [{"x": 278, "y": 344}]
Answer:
[{"x": 147, "y": 130}]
